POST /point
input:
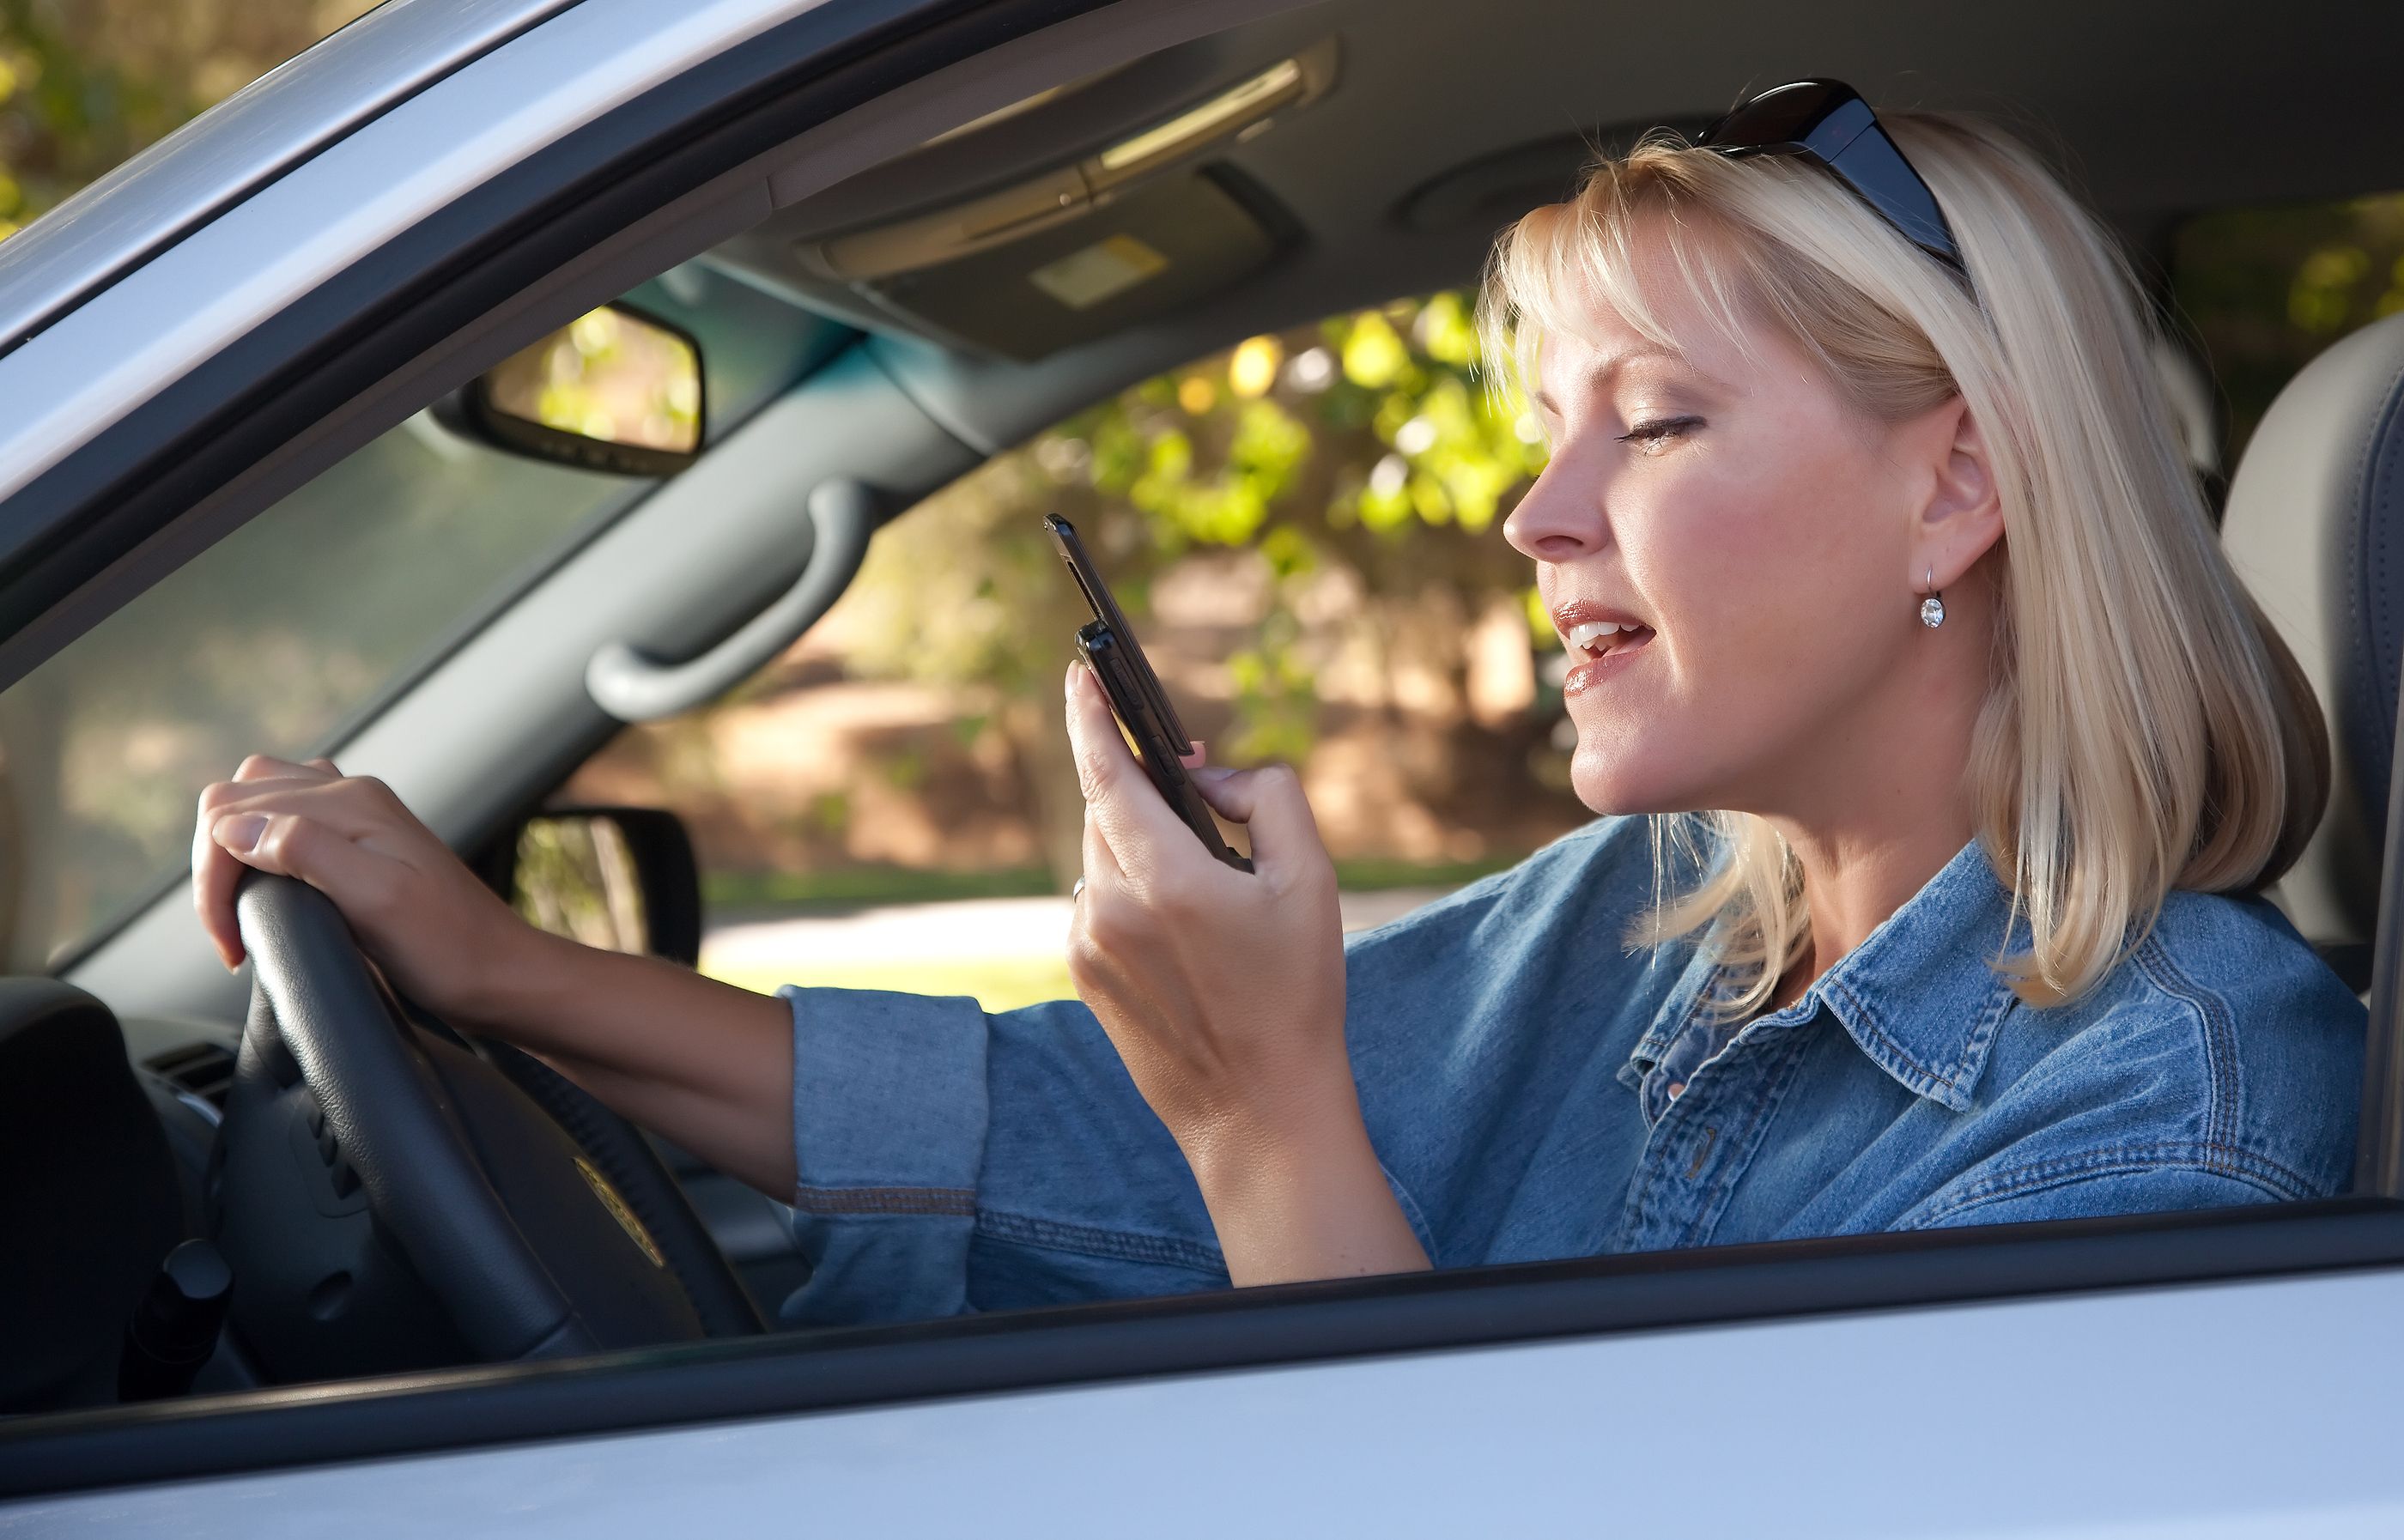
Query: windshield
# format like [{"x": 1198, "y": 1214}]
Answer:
[{"x": 288, "y": 632}]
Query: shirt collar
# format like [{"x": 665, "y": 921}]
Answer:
[{"x": 1920, "y": 996}]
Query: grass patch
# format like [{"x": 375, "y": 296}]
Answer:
[
  {"x": 1367, "y": 877},
  {"x": 867, "y": 886},
  {"x": 998, "y": 984}
]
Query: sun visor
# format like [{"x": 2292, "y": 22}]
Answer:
[
  {"x": 1147, "y": 251},
  {"x": 1136, "y": 221}
]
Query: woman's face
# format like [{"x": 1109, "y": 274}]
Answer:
[{"x": 1752, "y": 538}]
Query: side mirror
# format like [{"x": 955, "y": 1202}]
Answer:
[
  {"x": 621, "y": 878},
  {"x": 615, "y": 390}
]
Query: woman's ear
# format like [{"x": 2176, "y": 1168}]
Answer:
[{"x": 1963, "y": 515}]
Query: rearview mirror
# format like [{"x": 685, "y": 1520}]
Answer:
[
  {"x": 621, "y": 878},
  {"x": 615, "y": 390}
]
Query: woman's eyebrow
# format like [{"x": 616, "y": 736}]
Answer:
[
  {"x": 1601, "y": 374},
  {"x": 1617, "y": 362}
]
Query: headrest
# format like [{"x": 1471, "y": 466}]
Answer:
[{"x": 2315, "y": 528}]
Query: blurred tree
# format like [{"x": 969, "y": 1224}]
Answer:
[
  {"x": 2267, "y": 288},
  {"x": 85, "y": 84},
  {"x": 1365, "y": 445}
]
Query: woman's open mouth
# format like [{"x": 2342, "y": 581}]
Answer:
[{"x": 1599, "y": 650}]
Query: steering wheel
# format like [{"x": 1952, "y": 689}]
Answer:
[{"x": 541, "y": 1224}]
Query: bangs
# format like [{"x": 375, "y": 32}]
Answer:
[
  {"x": 1637, "y": 242},
  {"x": 1673, "y": 240}
]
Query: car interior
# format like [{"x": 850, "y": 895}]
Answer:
[{"x": 1042, "y": 232}]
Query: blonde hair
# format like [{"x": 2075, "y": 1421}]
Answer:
[{"x": 2146, "y": 730}]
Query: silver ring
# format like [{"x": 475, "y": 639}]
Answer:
[{"x": 1077, "y": 891}]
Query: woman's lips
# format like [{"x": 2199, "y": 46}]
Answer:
[{"x": 1591, "y": 671}]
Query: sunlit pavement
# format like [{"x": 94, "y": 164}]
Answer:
[{"x": 1006, "y": 952}]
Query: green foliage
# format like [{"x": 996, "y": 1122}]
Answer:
[
  {"x": 1366, "y": 442},
  {"x": 2267, "y": 288},
  {"x": 85, "y": 84},
  {"x": 574, "y": 877}
]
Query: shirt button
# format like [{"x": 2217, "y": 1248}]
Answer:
[{"x": 1677, "y": 1089}]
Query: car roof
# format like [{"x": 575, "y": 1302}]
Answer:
[
  {"x": 2153, "y": 119},
  {"x": 287, "y": 115},
  {"x": 1445, "y": 121}
]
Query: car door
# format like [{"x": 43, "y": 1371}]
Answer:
[{"x": 2218, "y": 1374}]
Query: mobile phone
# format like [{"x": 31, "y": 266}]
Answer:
[{"x": 1107, "y": 645}]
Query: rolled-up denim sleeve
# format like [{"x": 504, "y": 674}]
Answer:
[{"x": 952, "y": 1160}]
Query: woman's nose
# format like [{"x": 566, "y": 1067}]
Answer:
[{"x": 1558, "y": 520}]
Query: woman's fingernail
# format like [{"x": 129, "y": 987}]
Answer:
[
  {"x": 239, "y": 831},
  {"x": 1213, "y": 773}
]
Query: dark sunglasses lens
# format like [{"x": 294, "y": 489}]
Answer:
[
  {"x": 1877, "y": 171},
  {"x": 1782, "y": 116}
]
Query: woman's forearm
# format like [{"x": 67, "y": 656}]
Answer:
[
  {"x": 1291, "y": 1205},
  {"x": 703, "y": 1063}
]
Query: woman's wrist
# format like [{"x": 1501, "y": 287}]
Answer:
[{"x": 1299, "y": 1198}]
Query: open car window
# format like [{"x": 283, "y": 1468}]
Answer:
[
  {"x": 1303, "y": 528},
  {"x": 288, "y": 633}
]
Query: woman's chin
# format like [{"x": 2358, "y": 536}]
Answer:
[{"x": 1609, "y": 783}]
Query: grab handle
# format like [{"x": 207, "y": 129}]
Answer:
[{"x": 631, "y": 687}]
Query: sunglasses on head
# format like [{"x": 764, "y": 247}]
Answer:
[{"x": 1827, "y": 122}]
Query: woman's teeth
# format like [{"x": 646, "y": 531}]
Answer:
[{"x": 1597, "y": 637}]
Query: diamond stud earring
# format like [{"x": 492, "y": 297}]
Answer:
[{"x": 1932, "y": 607}]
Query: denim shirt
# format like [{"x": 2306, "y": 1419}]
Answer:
[{"x": 952, "y": 1159}]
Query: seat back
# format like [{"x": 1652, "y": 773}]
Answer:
[{"x": 2315, "y": 526}]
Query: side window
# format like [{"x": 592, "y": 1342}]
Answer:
[
  {"x": 2267, "y": 288},
  {"x": 1301, "y": 530},
  {"x": 304, "y": 619}
]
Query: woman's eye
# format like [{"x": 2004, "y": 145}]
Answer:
[{"x": 1652, "y": 435}]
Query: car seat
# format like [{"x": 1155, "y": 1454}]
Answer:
[
  {"x": 2315, "y": 526},
  {"x": 89, "y": 1199}
]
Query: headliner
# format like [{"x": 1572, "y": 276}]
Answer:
[{"x": 2151, "y": 112}]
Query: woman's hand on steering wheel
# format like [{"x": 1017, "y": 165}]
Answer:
[
  {"x": 436, "y": 931},
  {"x": 1223, "y": 993}
]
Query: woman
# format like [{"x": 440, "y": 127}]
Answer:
[{"x": 1897, "y": 607}]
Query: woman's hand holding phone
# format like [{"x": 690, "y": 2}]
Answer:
[{"x": 1223, "y": 992}]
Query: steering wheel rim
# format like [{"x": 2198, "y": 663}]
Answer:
[{"x": 400, "y": 1122}]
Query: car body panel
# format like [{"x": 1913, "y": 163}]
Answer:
[
  {"x": 261, "y": 131},
  {"x": 312, "y": 223},
  {"x": 2257, "y": 1410}
]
